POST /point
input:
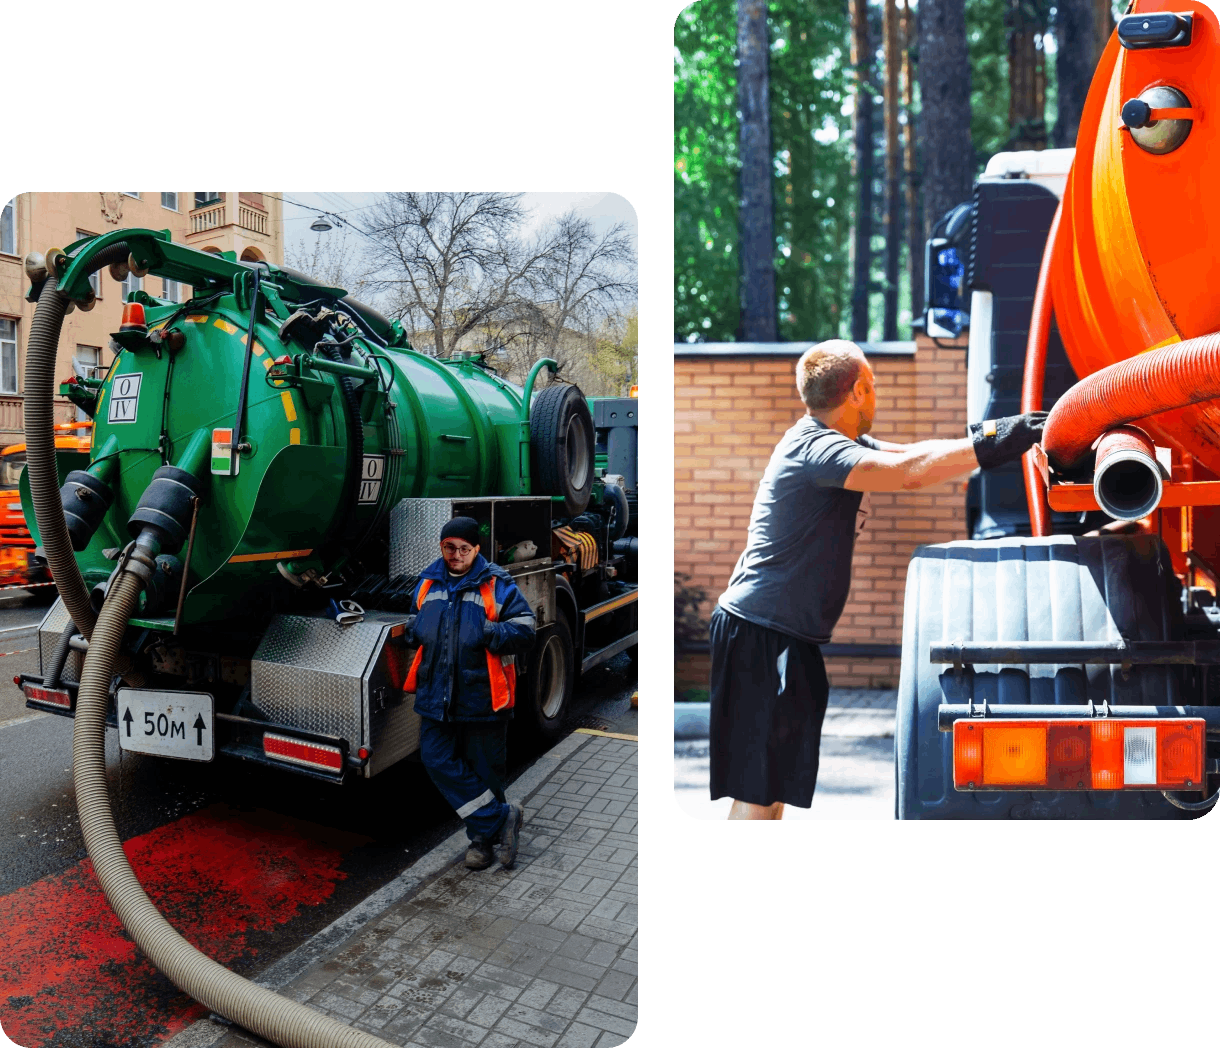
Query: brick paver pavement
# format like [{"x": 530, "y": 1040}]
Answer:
[{"x": 540, "y": 956}]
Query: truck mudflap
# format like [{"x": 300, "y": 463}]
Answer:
[{"x": 1062, "y": 593}]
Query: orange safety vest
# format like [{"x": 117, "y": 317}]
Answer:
[{"x": 501, "y": 669}]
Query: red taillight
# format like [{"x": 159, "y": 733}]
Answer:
[
  {"x": 47, "y": 696},
  {"x": 1105, "y": 754},
  {"x": 362, "y": 753},
  {"x": 307, "y": 754},
  {"x": 133, "y": 317},
  {"x": 17, "y": 681}
]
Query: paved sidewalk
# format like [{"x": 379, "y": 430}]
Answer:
[{"x": 540, "y": 956}]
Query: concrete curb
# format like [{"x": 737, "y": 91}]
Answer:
[{"x": 206, "y": 1032}]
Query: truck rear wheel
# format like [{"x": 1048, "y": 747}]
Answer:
[
  {"x": 549, "y": 681},
  {"x": 561, "y": 447}
]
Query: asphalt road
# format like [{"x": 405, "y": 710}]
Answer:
[{"x": 332, "y": 845}]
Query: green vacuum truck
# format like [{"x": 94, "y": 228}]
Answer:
[{"x": 271, "y": 464}]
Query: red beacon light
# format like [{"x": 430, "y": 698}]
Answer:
[{"x": 133, "y": 318}]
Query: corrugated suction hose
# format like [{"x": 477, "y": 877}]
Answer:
[
  {"x": 256, "y": 1008},
  {"x": 41, "y": 348},
  {"x": 1174, "y": 376}
]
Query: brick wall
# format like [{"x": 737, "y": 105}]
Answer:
[{"x": 729, "y": 412}]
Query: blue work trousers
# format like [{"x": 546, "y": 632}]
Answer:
[{"x": 468, "y": 763}]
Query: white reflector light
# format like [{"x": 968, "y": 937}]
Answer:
[{"x": 1139, "y": 756}]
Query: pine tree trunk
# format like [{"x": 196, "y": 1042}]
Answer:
[
  {"x": 915, "y": 228},
  {"x": 1081, "y": 31},
  {"x": 893, "y": 203},
  {"x": 862, "y": 126},
  {"x": 944, "y": 114},
  {"x": 756, "y": 216},
  {"x": 1026, "y": 76}
]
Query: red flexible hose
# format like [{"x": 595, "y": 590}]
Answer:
[
  {"x": 1035, "y": 375},
  {"x": 1174, "y": 376}
]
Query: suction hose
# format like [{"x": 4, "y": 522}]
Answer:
[
  {"x": 1035, "y": 377},
  {"x": 256, "y": 1008},
  {"x": 40, "y": 452},
  {"x": 1159, "y": 380}
]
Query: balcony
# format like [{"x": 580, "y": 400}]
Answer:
[
  {"x": 208, "y": 218},
  {"x": 12, "y": 419},
  {"x": 237, "y": 214},
  {"x": 249, "y": 218}
]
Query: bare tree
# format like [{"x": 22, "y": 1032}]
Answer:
[
  {"x": 451, "y": 263},
  {"x": 583, "y": 275},
  {"x": 332, "y": 259}
]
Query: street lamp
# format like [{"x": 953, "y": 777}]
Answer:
[{"x": 321, "y": 225}]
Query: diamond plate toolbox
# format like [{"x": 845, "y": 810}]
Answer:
[{"x": 311, "y": 673}]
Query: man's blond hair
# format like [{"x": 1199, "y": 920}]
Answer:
[{"x": 826, "y": 373}]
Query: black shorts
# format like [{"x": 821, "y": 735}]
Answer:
[{"x": 768, "y": 700}]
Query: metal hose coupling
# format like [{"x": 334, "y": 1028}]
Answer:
[{"x": 1126, "y": 474}]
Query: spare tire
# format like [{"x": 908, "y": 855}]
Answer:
[{"x": 561, "y": 447}]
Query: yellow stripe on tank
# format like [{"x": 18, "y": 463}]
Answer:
[
  {"x": 258, "y": 349},
  {"x": 290, "y": 409},
  {"x": 294, "y": 436},
  {"x": 225, "y": 326}
]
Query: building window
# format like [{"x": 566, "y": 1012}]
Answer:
[
  {"x": 88, "y": 361},
  {"x": 203, "y": 199},
  {"x": 170, "y": 200},
  {"x": 131, "y": 284},
  {"x": 136, "y": 195},
  {"x": 95, "y": 279},
  {"x": 8, "y": 355},
  {"x": 8, "y": 231},
  {"x": 171, "y": 290}
]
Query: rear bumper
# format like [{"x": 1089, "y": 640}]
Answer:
[{"x": 239, "y": 737}]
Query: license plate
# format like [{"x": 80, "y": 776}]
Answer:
[{"x": 167, "y": 723}]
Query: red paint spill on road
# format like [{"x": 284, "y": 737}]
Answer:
[{"x": 70, "y": 975}]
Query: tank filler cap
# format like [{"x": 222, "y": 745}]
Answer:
[{"x": 1159, "y": 120}]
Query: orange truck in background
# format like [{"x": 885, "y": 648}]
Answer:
[{"x": 17, "y": 564}]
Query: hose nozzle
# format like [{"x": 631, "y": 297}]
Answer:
[{"x": 1127, "y": 476}]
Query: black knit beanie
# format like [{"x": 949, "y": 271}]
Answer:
[{"x": 464, "y": 528}]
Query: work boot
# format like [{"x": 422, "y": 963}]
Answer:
[
  {"x": 510, "y": 836},
  {"x": 479, "y": 855}
]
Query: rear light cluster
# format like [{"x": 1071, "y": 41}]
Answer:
[
  {"x": 56, "y": 697},
  {"x": 306, "y": 754},
  {"x": 1079, "y": 755}
]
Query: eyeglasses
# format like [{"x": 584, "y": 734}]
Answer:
[{"x": 456, "y": 551}]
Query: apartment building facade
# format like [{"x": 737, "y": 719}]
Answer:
[{"x": 248, "y": 224}]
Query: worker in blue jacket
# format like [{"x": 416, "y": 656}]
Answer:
[{"x": 471, "y": 624}]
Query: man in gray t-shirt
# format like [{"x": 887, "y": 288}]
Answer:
[{"x": 768, "y": 681}]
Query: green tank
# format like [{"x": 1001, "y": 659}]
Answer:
[{"x": 337, "y": 419}]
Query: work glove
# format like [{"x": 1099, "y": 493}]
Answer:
[{"x": 999, "y": 441}]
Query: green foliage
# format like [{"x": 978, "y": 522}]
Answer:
[
  {"x": 812, "y": 191},
  {"x": 615, "y": 354},
  {"x": 706, "y": 301},
  {"x": 987, "y": 44}
]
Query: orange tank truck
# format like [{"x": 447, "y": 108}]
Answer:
[
  {"x": 1075, "y": 672},
  {"x": 1135, "y": 264},
  {"x": 17, "y": 564}
]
